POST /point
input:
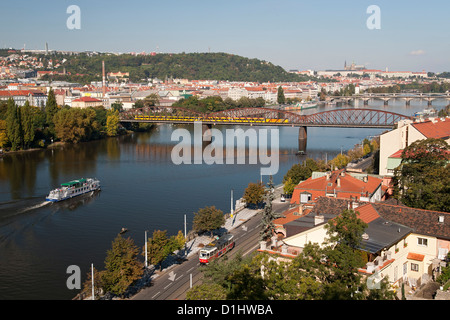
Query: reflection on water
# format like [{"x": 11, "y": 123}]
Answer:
[{"x": 142, "y": 189}]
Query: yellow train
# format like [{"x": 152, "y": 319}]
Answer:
[{"x": 209, "y": 119}]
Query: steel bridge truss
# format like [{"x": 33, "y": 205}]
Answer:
[{"x": 371, "y": 118}]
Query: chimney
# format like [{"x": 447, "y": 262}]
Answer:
[
  {"x": 103, "y": 79},
  {"x": 300, "y": 210},
  {"x": 338, "y": 182},
  {"x": 318, "y": 219}
]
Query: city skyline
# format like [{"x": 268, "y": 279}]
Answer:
[{"x": 293, "y": 34}]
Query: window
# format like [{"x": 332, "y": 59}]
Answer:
[
  {"x": 414, "y": 267},
  {"x": 422, "y": 242}
]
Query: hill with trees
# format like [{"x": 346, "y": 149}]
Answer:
[{"x": 84, "y": 68}]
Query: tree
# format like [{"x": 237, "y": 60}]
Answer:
[
  {"x": 422, "y": 179},
  {"x": 254, "y": 194},
  {"x": 267, "y": 226},
  {"x": 160, "y": 246},
  {"x": 208, "y": 219},
  {"x": 280, "y": 97},
  {"x": 112, "y": 123},
  {"x": 340, "y": 161},
  {"x": 75, "y": 124},
  {"x": 27, "y": 124},
  {"x": 14, "y": 125},
  {"x": 122, "y": 266},
  {"x": 206, "y": 291},
  {"x": 3, "y": 136},
  {"x": 302, "y": 171},
  {"x": 51, "y": 108},
  {"x": 289, "y": 186}
]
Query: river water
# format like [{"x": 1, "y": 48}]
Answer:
[{"x": 142, "y": 189}]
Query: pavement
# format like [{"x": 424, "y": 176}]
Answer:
[{"x": 239, "y": 217}]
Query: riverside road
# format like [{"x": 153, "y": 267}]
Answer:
[{"x": 173, "y": 282}]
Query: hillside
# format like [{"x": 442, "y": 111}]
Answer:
[{"x": 212, "y": 66}]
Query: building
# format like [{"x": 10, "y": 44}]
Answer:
[
  {"x": 402, "y": 244},
  {"x": 339, "y": 184},
  {"x": 407, "y": 132},
  {"x": 86, "y": 102},
  {"x": 34, "y": 97}
]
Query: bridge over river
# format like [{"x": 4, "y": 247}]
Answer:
[{"x": 343, "y": 118}]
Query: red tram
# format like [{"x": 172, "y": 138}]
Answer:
[{"x": 216, "y": 249}]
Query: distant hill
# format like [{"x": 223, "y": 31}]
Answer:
[{"x": 212, "y": 66}]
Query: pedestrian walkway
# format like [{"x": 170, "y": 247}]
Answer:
[{"x": 240, "y": 217}]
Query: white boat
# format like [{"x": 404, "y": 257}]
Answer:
[{"x": 72, "y": 189}]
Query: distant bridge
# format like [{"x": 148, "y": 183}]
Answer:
[{"x": 386, "y": 97}]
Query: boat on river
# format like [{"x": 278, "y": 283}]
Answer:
[{"x": 73, "y": 189}]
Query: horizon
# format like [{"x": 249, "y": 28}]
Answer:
[{"x": 296, "y": 35}]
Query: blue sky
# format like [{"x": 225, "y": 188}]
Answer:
[{"x": 295, "y": 34}]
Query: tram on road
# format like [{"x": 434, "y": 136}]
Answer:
[{"x": 216, "y": 248}]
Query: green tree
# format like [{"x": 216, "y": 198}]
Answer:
[
  {"x": 27, "y": 124},
  {"x": 14, "y": 125},
  {"x": 51, "y": 108},
  {"x": 75, "y": 124},
  {"x": 160, "y": 246},
  {"x": 280, "y": 97},
  {"x": 289, "y": 186},
  {"x": 3, "y": 136},
  {"x": 206, "y": 291},
  {"x": 302, "y": 171},
  {"x": 267, "y": 226},
  {"x": 122, "y": 267},
  {"x": 422, "y": 179},
  {"x": 208, "y": 219},
  {"x": 254, "y": 194}
]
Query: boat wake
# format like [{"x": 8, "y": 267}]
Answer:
[{"x": 37, "y": 206}]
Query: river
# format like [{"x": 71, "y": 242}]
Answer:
[{"x": 142, "y": 189}]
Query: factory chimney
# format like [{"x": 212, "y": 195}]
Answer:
[{"x": 103, "y": 79}]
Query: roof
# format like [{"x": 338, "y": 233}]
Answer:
[
  {"x": 415, "y": 256},
  {"x": 425, "y": 222},
  {"x": 438, "y": 128},
  {"x": 397, "y": 154},
  {"x": 86, "y": 99},
  {"x": 338, "y": 182}
]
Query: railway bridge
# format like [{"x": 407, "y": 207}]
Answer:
[{"x": 342, "y": 118}]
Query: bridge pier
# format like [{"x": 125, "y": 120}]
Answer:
[
  {"x": 302, "y": 135},
  {"x": 206, "y": 132}
]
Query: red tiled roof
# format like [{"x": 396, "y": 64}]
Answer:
[
  {"x": 415, "y": 256},
  {"x": 437, "y": 129},
  {"x": 86, "y": 99},
  {"x": 346, "y": 187},
  {"x": 397, "y": 154},
  {"x": 367, "y": 213}
]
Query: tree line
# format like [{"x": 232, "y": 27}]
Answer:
[
  {"x": 217, "y": 103},
  {"x": 27, "y": 126}
]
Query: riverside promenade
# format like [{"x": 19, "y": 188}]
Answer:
[
  {"x": 193, "y": 246},
  {"x": 239, "y": 217}
]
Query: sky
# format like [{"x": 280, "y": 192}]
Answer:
[{"x": 294, "y": 34}]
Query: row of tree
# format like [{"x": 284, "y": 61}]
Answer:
[
  {"x": 123, "y": 266},
  {"x": 216, "y": 103},
  {"x": 24, "y": 127}
]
